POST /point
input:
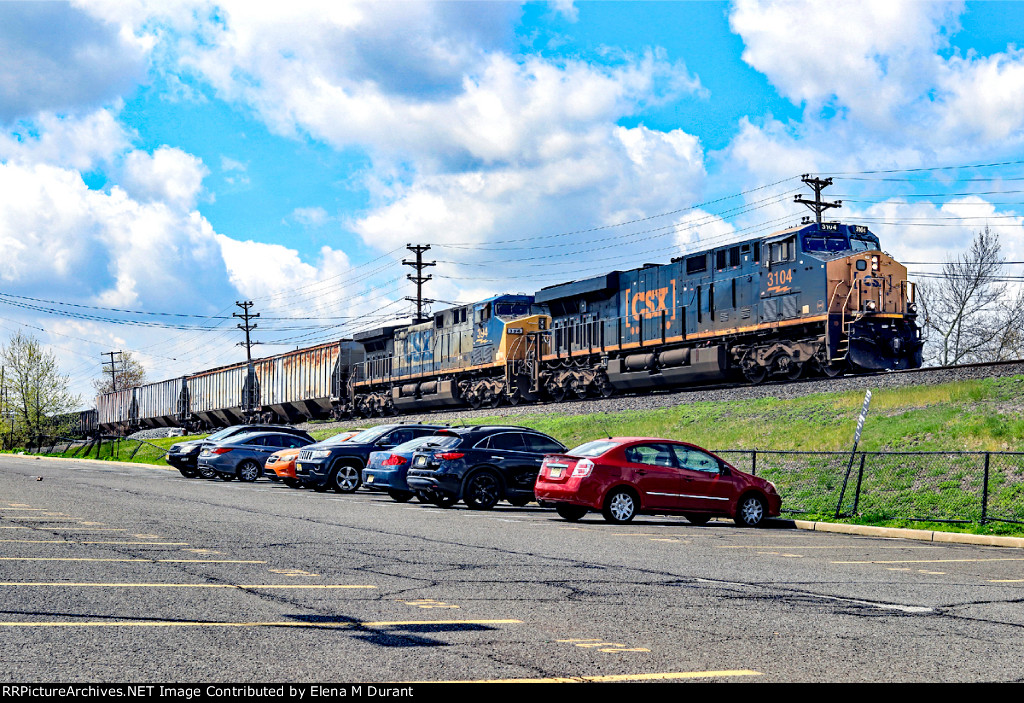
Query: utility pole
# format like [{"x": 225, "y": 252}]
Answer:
[
  {"x": 419, "y": 279},
  {"x": 250, "y": 388},
  {"x": 113, "y": 368},
  {"x": 246, "y": 316},
  {"x": 817, "y": 205}
]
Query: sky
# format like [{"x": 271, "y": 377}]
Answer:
[{"x": 161, "y": 161}]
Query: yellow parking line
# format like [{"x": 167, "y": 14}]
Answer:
[
  {"x": 668, "y": 676},
  {"x": 816, "y": 546},
  {"x": 177, "y": 585},
  {"x": 930, "y": 561},
  {"x": 151, "y": 561},
  {"x": 289, "y": 623},
  {"x": 71, "y": 541}
]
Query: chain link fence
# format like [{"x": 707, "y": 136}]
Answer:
[{"x": 965, "y": 487}]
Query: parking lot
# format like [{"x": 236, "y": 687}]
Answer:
[{"x": 115, "y": 573}]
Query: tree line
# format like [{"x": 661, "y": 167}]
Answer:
[{"x": 970, "y": 313}]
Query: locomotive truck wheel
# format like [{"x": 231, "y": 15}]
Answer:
[
  {"x": 474, "y": 401},
  {"x": 795, "y": 370},
  {"x": 493, "y": 400},
  {"x": 755, "y": 374},
  {"x": 579, "y": 388},
  {"x": 829, "y": 370},
  {"x": 557, "y": 393}
]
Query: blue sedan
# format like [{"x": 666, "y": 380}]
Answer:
[
  {"x": 385, "y": 470},
  {"x": 244, "y": 456}
]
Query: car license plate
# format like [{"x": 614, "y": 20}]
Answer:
[
  {"x": 369, "y": 478},
  {"x": 421, "y": 461},
  {"x": 555, "y": 473},
  {"x": 300, "y": 468}
]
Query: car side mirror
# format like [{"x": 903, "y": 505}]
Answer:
[{"x": 723, "y": 470}]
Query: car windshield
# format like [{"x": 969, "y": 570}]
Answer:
[
  {"x": 221, "y": 434},
  {"x": 595, "y": 448},
  {"x": 364, "y": 437},
  {"x": 445, "y": 441},
  {"x": 414, "y": 444}
]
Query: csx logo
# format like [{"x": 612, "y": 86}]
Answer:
[{"x": 652, "y": 303}]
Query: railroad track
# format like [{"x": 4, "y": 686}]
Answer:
[{"x": 716, "y": 393}]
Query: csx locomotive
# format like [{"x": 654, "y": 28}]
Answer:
[{"x": 821, "y": 298}]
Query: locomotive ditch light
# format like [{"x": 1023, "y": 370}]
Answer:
[{"x": 874, "y": 263}]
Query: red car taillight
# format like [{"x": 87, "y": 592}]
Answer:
[
  {"x": 394, "y": 460},
  {"x": 449, "y": 456},
  {"x": 221, "y": 450},
  {"x": 583, "y": 468}
]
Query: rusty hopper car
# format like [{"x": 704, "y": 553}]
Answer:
[{"x": 161, "y": 404}]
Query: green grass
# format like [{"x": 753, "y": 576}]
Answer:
[{"x": 977, "y": 416}]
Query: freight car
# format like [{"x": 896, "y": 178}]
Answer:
[
  {"x": 821, "y": 298},
  {"x": 301, "y": 384}
]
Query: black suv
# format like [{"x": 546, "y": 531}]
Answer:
[
  {"x": 184, "y": 456},
  {"x": 481, "y": 465},
  {"x": 339, "y": 464}
]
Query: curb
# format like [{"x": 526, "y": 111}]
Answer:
[
  {"x": 906, "y": 533},
  {"x": 96, "y": 462}
]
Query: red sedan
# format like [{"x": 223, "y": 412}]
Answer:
[{"x": 624, "y": 476}]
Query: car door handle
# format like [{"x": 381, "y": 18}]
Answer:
[{"x": 497, "y": 458}]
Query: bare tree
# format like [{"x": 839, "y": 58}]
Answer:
[
  {"x": 128, "y": 372},
  {"x": 967, "y": 314},
  {"x": 35, "y": 391}
]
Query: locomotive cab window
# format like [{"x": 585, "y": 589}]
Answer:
[
  {"x": 780, "y": 252},
  {"x": 697, "y": 264}
]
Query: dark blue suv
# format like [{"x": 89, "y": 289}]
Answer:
[
  {"x": 338, "y": 464},
  {"x": 481, "y": 465}
]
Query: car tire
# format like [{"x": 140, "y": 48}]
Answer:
[
  {"x": 322, "y": 488},
  {"x": 482, "y": 491},
  {"x": 400, "y": 496},
  {"x": 444, "y": 501},
  {"x": 751, "y": 511},
  {"x": 423, "y": 497},
  {"x": 249, "y": 471},
  {"x": 292, "y": 482},
  {"x": 346, "y": 479},
  {"x": 572, "y": 513},
  {"x": 697, "y": 519},
  {"x": 620, "y": 507}
]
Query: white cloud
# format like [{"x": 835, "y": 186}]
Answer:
[
  {"x": 56, "y": 57},
  {"x": 874, "y": 79},
  {"x": 168, "y": 175},
  {"x": 82, "y": 143},
  {"x": 311, "y": 216}
]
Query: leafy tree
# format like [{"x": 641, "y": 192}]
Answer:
[
  {"x": 967, "y": 316},
  {"x": 34, "y": 390},
  {"x": 128, "y": 372}
]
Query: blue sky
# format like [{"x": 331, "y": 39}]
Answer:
[{"x": 177, "y": 157}]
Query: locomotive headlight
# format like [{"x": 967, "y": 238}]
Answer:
[
  {"x": 912, "y": 308},
  {"x": 874, "y": 263},
  {"x": 870, "y": 306}
]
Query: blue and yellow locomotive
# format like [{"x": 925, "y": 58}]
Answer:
[{"x": 820, "y": 298}]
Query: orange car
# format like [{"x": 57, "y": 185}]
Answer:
[{"x": 282, "y": 463}]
